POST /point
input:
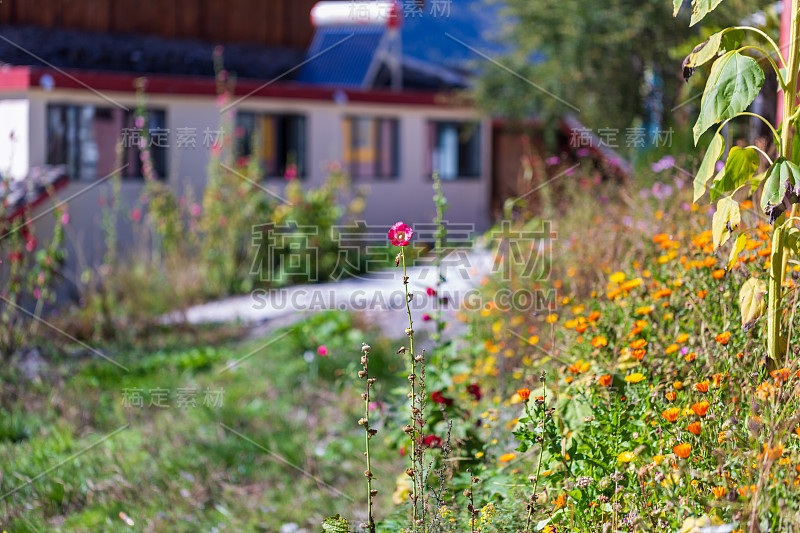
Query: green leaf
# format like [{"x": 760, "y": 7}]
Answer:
[
  {"x": 676, "y": 6},
  {"x": 335, "y": 524},
  {"x": 726, "y": 219},
  {"x": 741, "y": 165},
  {"x": 733, "y": 84},
  {"x": 722, "y": 41},
  {"x": 738, "y": 246},
  {"x": 701, "y": 8},
  {"x": 714, "y": 152},
  {"x": 781, "y": 188},
  {"x": 751, "y": 301},
  {"x": 755, "y": 181},
  {"x": 792, "y": 239}
]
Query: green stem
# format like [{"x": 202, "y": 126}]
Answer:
[
  {"x": 766, "y": 37},
  {"x": 539, "y": 463},
  {"x": 777, "y": 70},
  {"x": 367, "y": 436},
  {"x": 415, "y": 492},
  {"x": 779, "y": 258}
]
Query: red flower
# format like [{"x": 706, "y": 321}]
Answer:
[
  {"x": 430, "y": 291},
  {"x": 400, "y": 234},
  {"x": 432, "y": 441},
  {"x": 438, "y": 397},
  {"x": 475, "y": 391}
]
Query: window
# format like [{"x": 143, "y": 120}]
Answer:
[
  {"x": 370, "y": 147},
  {"x": 84, "y": 139},
  {"x": 279, "y": 140},
  {"x": 454, "y": 149}
]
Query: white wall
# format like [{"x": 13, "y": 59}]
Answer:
[{"x": 14, "y": 152}]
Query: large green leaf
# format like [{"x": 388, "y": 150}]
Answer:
[
  {"x": 706, "y": 172},
  {"x": 701, "y": 8},
  {"x": 733, "y": 84},
  {"x": 751, "y": 301},
  {"x": 781, "y": 188},
  {"x": 726, "y": 219},
  {"x": 722, "y": 41},
  {"x": 676, "y": 6},
  {"x": 741, "y": 165}
]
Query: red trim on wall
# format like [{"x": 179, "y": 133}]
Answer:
[{"x": 23, "y": 78}]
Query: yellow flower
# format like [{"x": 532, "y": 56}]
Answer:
[
  {"x": 533, "y": 339},
  {"x": 551, "y": 318},
  {"x": 658, "y": 459},
  {"x": 626, "y": 457},
  {"x": 683, "y": 337},
  {"x": 644, "y": 310},
  {"x": 617, "y": 277},
  {"x": 635, "y": 377}
]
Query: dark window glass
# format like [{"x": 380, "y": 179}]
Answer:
[
  {"x": 454, "y": 149},
  {"x": 279, "y": 141}
]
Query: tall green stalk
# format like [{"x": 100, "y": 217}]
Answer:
[
  {"x": 779, "y": 257},
  {"x": 412, "y": 379}
]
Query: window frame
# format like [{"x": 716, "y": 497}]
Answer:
[
  {"x": 301, "y": 160},
  {"x": 476, "y": 137},
  {"x": 130, "y": 157},
  {"x": 375, "y": 122}
]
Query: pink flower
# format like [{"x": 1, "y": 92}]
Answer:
[
  {"x": 64, "y": 218},
  {"x": 30, "y": 244},
  {"x": 400, "y": 234},
  {"x": 136, "y": 214},
  {"x": 554, "y": 160},
  {"x": 195, "y": 210},
  {"x": 430, "y": 291},
  {"x": 37, "y": 293},
  {"x": 426, "y": 317},
  {"x": 322, "y": 350},
  {"x": 291, "y": 172}
]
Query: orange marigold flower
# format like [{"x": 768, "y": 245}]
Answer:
[
  {"x": 671, "y": 414},
  {"x": 694, "y": 428},
  {"x": 594, "y": 316},
  {"x": 689, "y": 357},
  {"x": 644, "y": 310},
  {"x": 638, "y": 354},
  {"x": 702, "y": 294},
  {"x": 683, "y": 337},
  {"x": 568, "y": 380},
  {"x": 662, "y": 293},
  {"x": 579, "y": 366},
  {"x": 671, "y": 396},
  {"x": 723, "y": 337},
  {"x": 682, "y": 450},
  {"x": 661, "y": 237},
  {"x": 599, "y": 341},
  {"x": 524, "y": 394},
  {"x": 638, "y": 343},
  {"x": 702, "y": 386},
  {"x": 506, "y": 457},
  {"x": 678, "y": 385},
  {"x": 701, "y": 408},
  {"x": 671, "y": 348},
  {"x": 718, "y": 274},
  {"x": 559, "y": 502},
  {"x": 631, "y": 284},
  {"x": 780, "y": 375},
  {"x": 581, "y": 328},
  {"x": 605, "y": 380},
  {"x": 719, "y": 492},
  {"x": 710, "y": 261}
]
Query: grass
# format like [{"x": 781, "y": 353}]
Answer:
[{"x": 282, "y": 447}]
